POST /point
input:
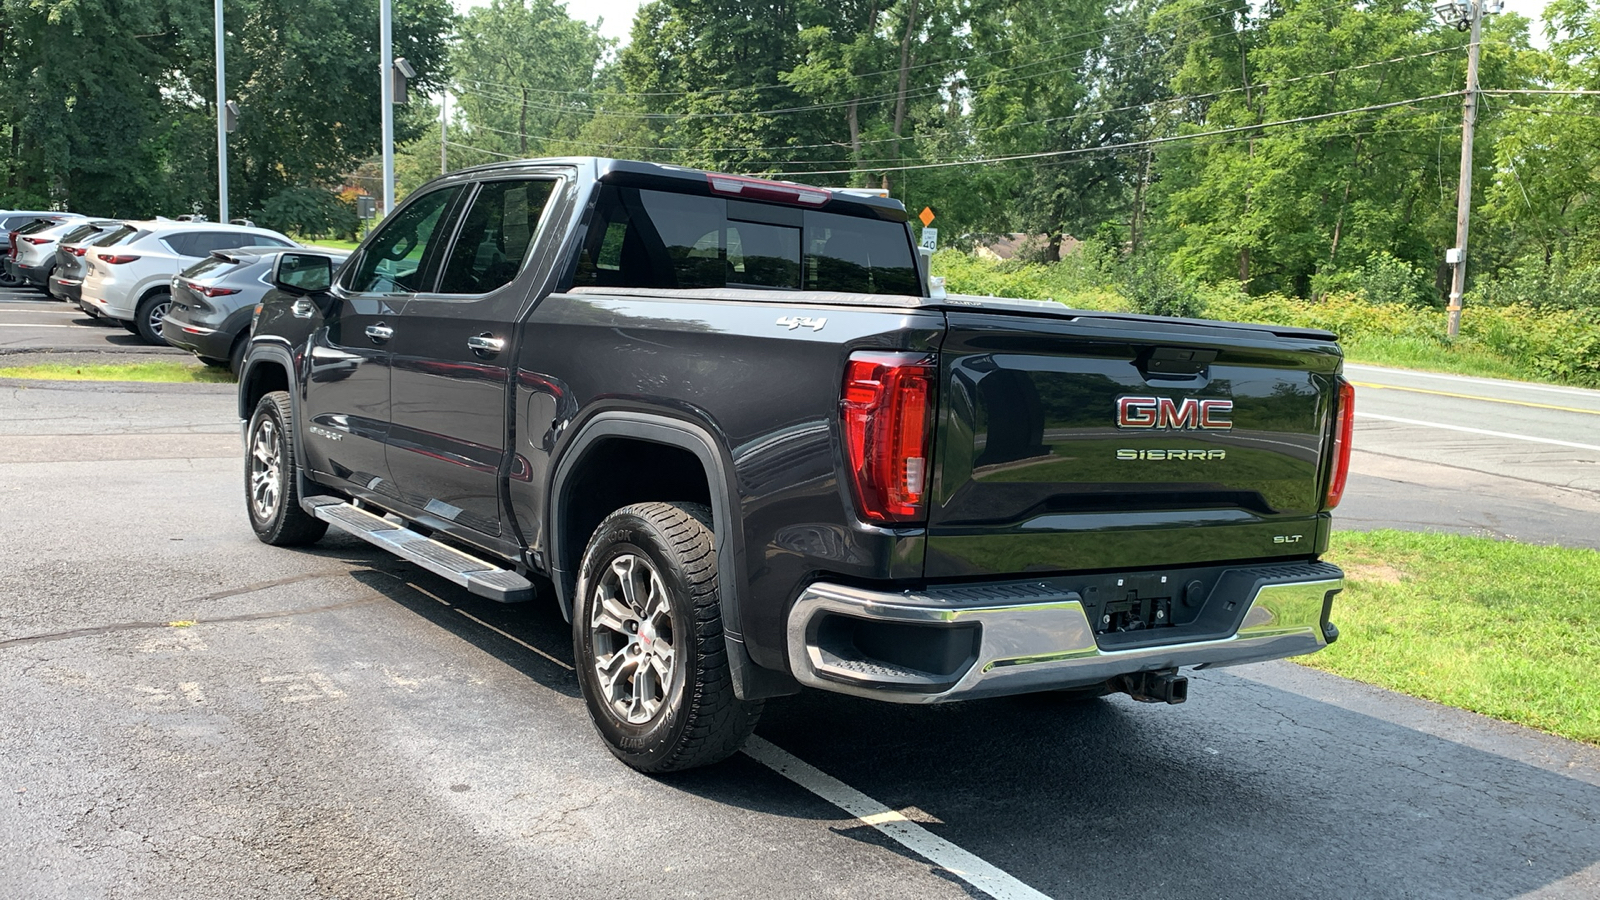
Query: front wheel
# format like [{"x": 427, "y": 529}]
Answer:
[
  {"x": 647, "y": 635},
  {"x": 272, "y": 493}
]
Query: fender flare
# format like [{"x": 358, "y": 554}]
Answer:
[
  {"x": 750, "y": 681},
  {"x": 258, "y": 355}
]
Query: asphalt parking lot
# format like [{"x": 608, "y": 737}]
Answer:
[{"x": 193, "y": 714}]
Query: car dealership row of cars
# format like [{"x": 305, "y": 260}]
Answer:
[{"x": 191, "y": 284}]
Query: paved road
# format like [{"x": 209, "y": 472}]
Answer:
[
  {"x": 30, "y": 322},
  {"x": 335, "y": 723},
  {"x": 1474, "y": 455}
]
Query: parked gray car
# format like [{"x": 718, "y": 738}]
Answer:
[
  {"x": 213, "y": 301},
  {"x": 66, "y": 282},
  {"x": 66, "y": 278}
]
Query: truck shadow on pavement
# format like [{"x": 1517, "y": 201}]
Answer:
[{"x": 1246, "y": 791}]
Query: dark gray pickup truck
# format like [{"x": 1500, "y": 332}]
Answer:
[{"x": 727, "y": 426}]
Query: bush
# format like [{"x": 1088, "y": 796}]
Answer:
[
  {"x": 1155, "y": 290},
  {"x": 1556, "y": 285},
  {"x": 1084, "y": 280},
  {"x": 1383, "y": 278},
  {"x": 310, "y": 211}
]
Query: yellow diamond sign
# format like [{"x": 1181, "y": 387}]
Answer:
[{"x": 926, "y": 216}]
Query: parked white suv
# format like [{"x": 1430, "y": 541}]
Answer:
[{"x": 131, "y": 280}]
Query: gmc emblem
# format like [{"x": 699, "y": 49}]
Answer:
[{"x": 1166, "y": 413}]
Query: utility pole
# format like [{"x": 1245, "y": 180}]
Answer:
[
  {"x": 222, "y": 125},
  {"x": 386, "y": 94},
  {"x": 1466, "y": 16}
]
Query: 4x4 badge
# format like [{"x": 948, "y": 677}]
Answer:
[{"x": 793, "y": 322}]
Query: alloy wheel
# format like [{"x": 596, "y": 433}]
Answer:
[
  {"x": 630, "y": 625},
  {"x": 266, "y": 481}
]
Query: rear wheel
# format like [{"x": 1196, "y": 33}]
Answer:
[
  {"x": 236, "y": 354},
  {"x": 7, "y": 280},
  {"x": 147, "y": 320},
  {"x": 647, "y": 634},
  {"x": 271, "y": 490}
]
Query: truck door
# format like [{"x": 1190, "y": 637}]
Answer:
[
  {"x": 453, "y": 361},
  {"x": 346, "y": 406}
]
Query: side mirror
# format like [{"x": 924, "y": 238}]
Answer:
[{"x": 303, "y": 273}]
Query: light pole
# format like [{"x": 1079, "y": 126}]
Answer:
[
  {"x": 386, "y": 92},
  {"x": 222, "y": 126},
  {"x": 1465, "y": 15}
]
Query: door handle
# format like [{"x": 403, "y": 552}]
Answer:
[
  {"x": 486, "y": 344},
  {"x": 303, "y": 308},
  {"x": 379, "y": 332}
]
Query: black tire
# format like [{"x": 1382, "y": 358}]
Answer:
[
  {"x": 691, "y": 717},
  {"x": 7, "y": 280},
  {"x": 271, "y": 490},
  {"x": 147, "y": 317},
  {"x": 236, "y": 353}
]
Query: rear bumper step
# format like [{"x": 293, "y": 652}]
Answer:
[
  {"x": 482, "y": 578},
  {"x": 965, "y": 641}
]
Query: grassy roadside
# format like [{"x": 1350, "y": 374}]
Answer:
[
  {"x": 167, "y": 372},
  {"x": 1501, "y": 628}
]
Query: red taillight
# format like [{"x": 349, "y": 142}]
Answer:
[
  {"x": 37, "y": 241},
  {"x": 886, "y": 415},
  {"x": 116, "y": 259},
  {"x": 1343, "y": 431},
  {"x": 759, "y": 189},
  {"x": 209, "y": 291},
  {"x": 77, "y": 251}
]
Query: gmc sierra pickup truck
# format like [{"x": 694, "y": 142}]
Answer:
[{"x": 728, "y": 427}]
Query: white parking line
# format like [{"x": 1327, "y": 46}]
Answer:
[
  {"x": 913, "y": 837},
  {"x": 1482, "y": 431},
  {"x": 31, "y": 325}
]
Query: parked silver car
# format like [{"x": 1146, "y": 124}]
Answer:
[{"x": 132, "y": 280}]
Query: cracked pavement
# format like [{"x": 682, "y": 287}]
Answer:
[{"x": 189, "y": 713}]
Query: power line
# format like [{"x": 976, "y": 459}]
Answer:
[{"x": 1148, "y": 142}]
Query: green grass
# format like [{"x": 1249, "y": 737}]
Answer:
[
  {"x": 329, "y": 242},
  {"x": 171, "y": 372},
  {"x": 1505, "y": 629}
]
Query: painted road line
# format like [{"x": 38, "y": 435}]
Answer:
[
  {"x": 31, "y": 325},
  {"x": 1483, "y": 431},
  {"x": 1411, "y": 390},
  {"x": 913, "y": 837},
  {"x": 1497, "y": 382}
]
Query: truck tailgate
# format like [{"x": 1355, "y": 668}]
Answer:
[{"x": 1071, "y": 443}]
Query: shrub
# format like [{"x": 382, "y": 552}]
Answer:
[
  {"x": 1383, "y": 278},
  {"x": 1154, "y": 289}
]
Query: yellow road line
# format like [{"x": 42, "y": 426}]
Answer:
[{"x": 1390, "y": 387}]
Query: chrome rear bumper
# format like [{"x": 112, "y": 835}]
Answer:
[{"x": 1019, "y": 637}]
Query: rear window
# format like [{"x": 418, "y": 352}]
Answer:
[
  {"x": 211, "y": 266},
  {"x": 122, "y": 234},
  {"x": 36, "y": 225},
  {"x": 79, "y": 233},
  {"x": 643, "y": 238}
]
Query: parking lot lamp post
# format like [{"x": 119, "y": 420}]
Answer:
[
  {"x": 222, "y": 126},
  {"x": 386, "y": 93}
]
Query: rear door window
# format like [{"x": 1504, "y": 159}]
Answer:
[{"x": 644, "y": 238}]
